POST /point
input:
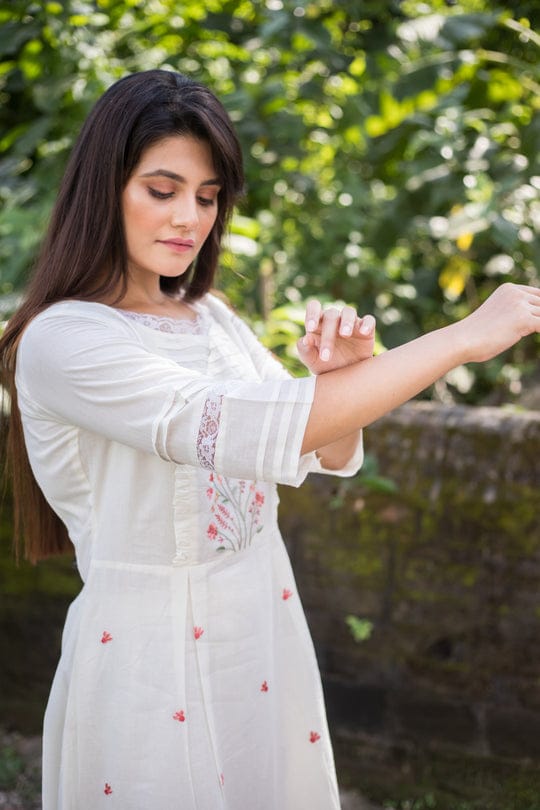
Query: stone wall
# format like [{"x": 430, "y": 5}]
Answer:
[{"x": 447, "y": 569}]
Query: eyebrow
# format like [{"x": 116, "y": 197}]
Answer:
[{"x": 213, "y": 181}]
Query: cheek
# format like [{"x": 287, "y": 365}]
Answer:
[
  {"x": 129, "y": 211},
  {"x": 137, "y": 212},
  {"x": 211, "y": 221}
]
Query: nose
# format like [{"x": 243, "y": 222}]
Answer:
[{"x": 184, "y": 213}]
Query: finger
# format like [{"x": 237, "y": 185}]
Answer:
[
  {"x": 313, "y": 315},
  {"x": 329, "y": 330},
  {"x": 310, "y": 340},
  {"x": 307, "y": 351},
  {"x": 347, "y": 321},
  {"x": 366, "y": 325}
]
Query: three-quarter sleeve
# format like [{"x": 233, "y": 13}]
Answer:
[
  {"x": 92, "y": 371},
  {"x": 269, "y": 368}
]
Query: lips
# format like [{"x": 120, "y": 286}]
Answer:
[
  {"x": 178, "y": 245},
  {"x": 186, "y": 243}
]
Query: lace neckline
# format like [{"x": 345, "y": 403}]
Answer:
[{"x": 166, "y": 323}]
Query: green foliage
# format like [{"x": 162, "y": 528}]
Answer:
[
  {"x": 366, "y": 481},
  {"x": 11, "y": 766},
  {"x": 20, "y": 774},
  {"x": 391, "y": 148},
  {"x": 361, "y": 629}
]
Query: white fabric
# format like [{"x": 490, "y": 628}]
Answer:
[{"x": 188, "y": 678}]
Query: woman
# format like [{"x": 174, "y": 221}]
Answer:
[{"x": 155, "y": 427}]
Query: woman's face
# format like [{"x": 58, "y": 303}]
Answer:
[{"x": 169, "y": 207}]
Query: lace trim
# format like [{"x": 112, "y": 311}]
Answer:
[
  {"x": 164, "y": 323},
  {"x": 208, "y": 431}
]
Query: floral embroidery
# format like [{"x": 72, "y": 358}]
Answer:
[
  {"x": 107, "y": 790},
  {"x": 208, "y": 431},
  {"x": 106, "y": 637},
  {"x": 180, "y": 716},
  {"x": 264, "y": 686},
  {"x": 222, "y": 779},
  {"x": 236, "y": 511},
  {"x": 197, "y": 632},
  {"x": 313, "y": 736},
  {"x": 286, "y": 594}
]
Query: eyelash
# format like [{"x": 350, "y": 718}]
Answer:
[{"x": 160, "y": 195}]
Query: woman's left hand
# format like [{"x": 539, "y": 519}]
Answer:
[{"x": 335, "y": 338}]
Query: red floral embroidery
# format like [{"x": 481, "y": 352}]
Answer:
[
  {"x": 286, "y": 594},
  {"x": 197, "y": 632},
  {"x": 313, "y": 736},
  {"x": 106, "y": 637},
  {"x": 264, "y": 686},
  {"x": 107, "y": 790},
  {"x": 235, "y": 507},
  {"x": 180, "y": 716}
]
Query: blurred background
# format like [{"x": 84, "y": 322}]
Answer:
[{"x": 392, "y": 163}]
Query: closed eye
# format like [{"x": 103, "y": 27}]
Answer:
[
  {"x": 205, "y": 201},
  {"x": 160, "y": 195}
]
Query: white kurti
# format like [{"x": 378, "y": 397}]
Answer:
[{"x": 188, "y": 679}]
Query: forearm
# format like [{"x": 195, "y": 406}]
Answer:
[
  {"x": 350, "y": 398},
  {"x": 336, "y": 455}
]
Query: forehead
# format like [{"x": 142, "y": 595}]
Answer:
[{"x": 181, "y": 154}]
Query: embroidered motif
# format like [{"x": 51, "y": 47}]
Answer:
[
  {"x": 222, "y": 779},
  {"x": 197, "y": 632},
  {"x": 286, "y": 594},
  {"x": 236, "y": 511},
  {"x": 180, "y": 716},
  {"x": 208, "y": 431},
  {"x": 107, "y": 790},
  {"x": 313, "y": 736},
  {"x": 106, "y": 637},
  {"x": 264, "y": 686}
]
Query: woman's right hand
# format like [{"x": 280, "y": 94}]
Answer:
[{"x": 509, "y": 314}]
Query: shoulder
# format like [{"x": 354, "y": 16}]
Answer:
[
  {"x": 67, "y": 328},
  {"x": 223, "y": 312},
  {"x": 218, "y": 306},
  {"x": 70, "y": 310},
  {"x": 72, "y": 317}
]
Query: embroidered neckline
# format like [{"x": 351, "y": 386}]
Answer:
[{"x": 166, "y": 323}]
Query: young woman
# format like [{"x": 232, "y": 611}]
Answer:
[{"x": 149, "y": 427}]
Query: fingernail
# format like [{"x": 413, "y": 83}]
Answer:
[
  {"x": 325, "y": 355},
  {"x": 310, "y": 326},
  {"x": 346, "y": 330},
  {"x": 305, "y": 341},
  {"x": 365, "y": 329}
]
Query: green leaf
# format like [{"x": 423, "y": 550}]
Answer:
[{"x": 361, "y": 629}]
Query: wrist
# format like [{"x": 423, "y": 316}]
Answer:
[{"x": 459, "y": 336}]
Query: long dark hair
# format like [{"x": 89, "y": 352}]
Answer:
[{"x": 83, "y": 255}]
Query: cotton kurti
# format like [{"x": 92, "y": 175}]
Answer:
[{"x": 187, "y": 678}]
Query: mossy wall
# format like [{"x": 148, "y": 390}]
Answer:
[{"x": 447, "y": 570}]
